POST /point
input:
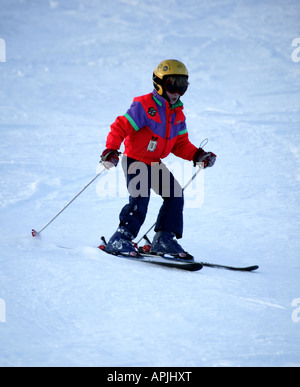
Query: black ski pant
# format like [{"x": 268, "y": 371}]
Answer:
[{"x": 141, "y": 178}]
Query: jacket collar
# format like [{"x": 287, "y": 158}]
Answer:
[{"x": 162, "y": 101}]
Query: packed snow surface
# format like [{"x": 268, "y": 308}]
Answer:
[{"x": 73, "y": 66}]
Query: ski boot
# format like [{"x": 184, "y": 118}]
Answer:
[
  {"x": 164, "y": 243},
  {"x": 121, "y": 243}
]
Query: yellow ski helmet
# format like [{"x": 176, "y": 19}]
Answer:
[{"x": 166, "y": 68}]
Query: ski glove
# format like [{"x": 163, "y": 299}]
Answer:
[
  {"x": 208, "y": 158},
  {"x": 110, "y": 158}
]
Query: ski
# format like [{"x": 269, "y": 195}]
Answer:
[
  {"x": 234, "y": 268},
  {"x": 143, "y": 255},
  {"x": 160, "y": 261},
  {"x": 145, "y": 249},
  {"x": 205, "y": 264}
]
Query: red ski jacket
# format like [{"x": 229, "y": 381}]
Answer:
[{"x": 152, "y": 129}]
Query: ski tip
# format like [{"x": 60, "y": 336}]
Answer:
[{"x": 233, "y": 268}]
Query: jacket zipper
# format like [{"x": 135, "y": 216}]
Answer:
[{"x": 168, "y": 128}]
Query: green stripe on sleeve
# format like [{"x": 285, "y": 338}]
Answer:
[
  {"x": 134, "y": 125},
  {"x": 182, "y": 131}
]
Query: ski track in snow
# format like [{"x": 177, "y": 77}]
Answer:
[{"x": 72, "y": 67}]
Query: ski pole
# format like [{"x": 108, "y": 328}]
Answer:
[{"x": 36, "y": 233}]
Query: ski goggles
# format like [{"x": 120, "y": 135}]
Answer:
[{"x": 172, "y": 88}]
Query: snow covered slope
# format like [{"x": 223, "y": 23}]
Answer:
[{"x": 72, "y": 67}]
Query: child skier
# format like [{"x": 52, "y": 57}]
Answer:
[{"x": 153, "y": 127}]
